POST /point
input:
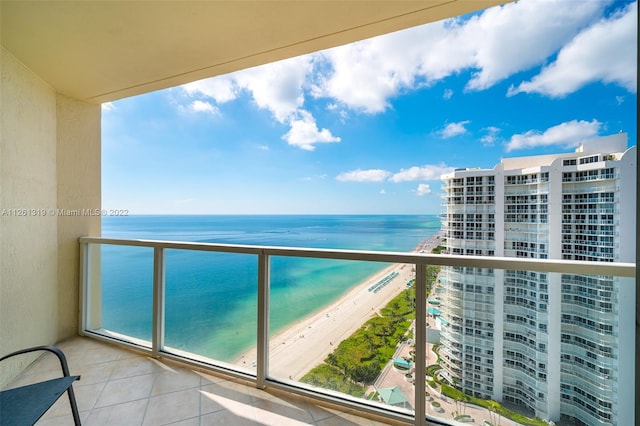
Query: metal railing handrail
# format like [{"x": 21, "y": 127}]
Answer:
[{"x": 619, "y": 269}]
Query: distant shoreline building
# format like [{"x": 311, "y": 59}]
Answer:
[{"x": 561, "y": 345}]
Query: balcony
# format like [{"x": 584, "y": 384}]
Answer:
[
  {"x": 269, "y": 369},
  {"x": 51, "y": 150}
]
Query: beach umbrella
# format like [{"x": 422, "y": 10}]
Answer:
[{"x": 393, "y": 396}]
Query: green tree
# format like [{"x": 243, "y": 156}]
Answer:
[
  {"x": 365, "y": 373},
  {"x": 331, "y": 359}
]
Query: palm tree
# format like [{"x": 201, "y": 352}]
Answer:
[
  {"x": 494, "y": 415},
  {"x": 331, "y": 359}
]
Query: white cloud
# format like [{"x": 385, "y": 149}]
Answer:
[
  {"x": 495, "y": 44},
  {"x": 489, "y": 139},
  {"x": 596, "y": 54},
  {"x": 517, "y": 36},
  {"x": 423, "y": 189},
  {"x": 372, "y": 175},
  {"x": 569, "y": 134},
  {"x": 366, "y": 74},
  {"x": 222, "y": 89},
  {"x": 278, "y": 86},
  {"x": 304, "y": 133},
  {"x": 427, "y": 172},
  {"x": 200, "y": 106},
  {"x": 454, "y": 129},
  {"x": 492, "y": 45},
  {"x": 382, "y": 192},
  {"x": 108, "y": 106}
]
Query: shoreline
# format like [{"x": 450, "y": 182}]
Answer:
[{"x": 303, "y": 345}]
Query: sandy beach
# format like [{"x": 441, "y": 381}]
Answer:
[{"x": 300, "y": 347}]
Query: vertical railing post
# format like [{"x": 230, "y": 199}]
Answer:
[
  {"x": 421, "y": 344},
  {"x": 262, "y": 368},
  {"x": 90, "y": 297},
  {"x": 157, "y": 342},
  {"x": 84, "y": 286}
]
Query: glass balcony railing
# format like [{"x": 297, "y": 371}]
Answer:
[{"x": 534, "y": 344}]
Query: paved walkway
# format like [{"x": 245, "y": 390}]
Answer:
[{"x": 391, "y": 376}]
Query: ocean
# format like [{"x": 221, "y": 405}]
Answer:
[{"x": 211, "y": 298}]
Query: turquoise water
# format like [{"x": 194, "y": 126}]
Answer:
[{"x": 211, "y": 298}]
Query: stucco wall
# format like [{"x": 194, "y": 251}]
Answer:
[
  {"x": 28, "y": 244},
  {"x": 49, "y": 159},
  {"x": 78, "y": 173}
]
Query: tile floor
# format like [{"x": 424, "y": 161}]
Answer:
[{"x": 121, "y": 387}]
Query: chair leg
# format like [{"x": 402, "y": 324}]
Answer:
[{"x": 74, "y": 406}]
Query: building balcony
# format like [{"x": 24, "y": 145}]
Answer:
[{"x": 142, "y": 376}]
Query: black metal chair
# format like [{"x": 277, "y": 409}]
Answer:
[{"x": 26, "y": 404}]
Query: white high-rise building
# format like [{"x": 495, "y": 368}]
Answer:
[{"x": 561, "y": 345}]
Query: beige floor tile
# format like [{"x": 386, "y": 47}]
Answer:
[
  {"x": 62, "y": 420},
  {"x": 172, "y": 407},
  {"x": 86, "y": 397},
  {"x": 174, "y": 380},
  {"x": 195, "y": 421},
  {"x": 212, "y": 395},
  {"x": 93, "y": 373},
  {"x": 125, "y": 390},
  {"x": 277, "y": 411},
  {"x": 46, "y": 364},
  {"x": 131, "y": 367},
  {"x": 33, "y": 377},
  {"x": 208, "y": 379},
  {"x": 95, "y": 355},
  {"x": 223, "y": 418},
  {"x": 126, "y": 414},
  {"x": 317, "y": 412}
]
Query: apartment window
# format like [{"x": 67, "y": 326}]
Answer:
[{"x": 590, "y": 159}]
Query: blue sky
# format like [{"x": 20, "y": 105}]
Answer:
[{"x": 368, "y": 128}]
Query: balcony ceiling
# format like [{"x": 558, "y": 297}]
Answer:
[{"x": 100, "y": 51}]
